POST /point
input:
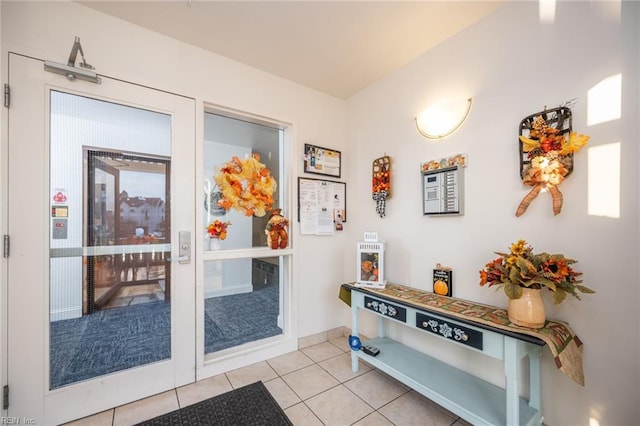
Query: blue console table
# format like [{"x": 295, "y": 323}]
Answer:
[{"x": 473, "y": 399}]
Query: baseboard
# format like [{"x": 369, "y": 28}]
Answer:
[
  {"x": 227, "y": 291},
  {"x": 63, "y": 314},
  {"x": 322, "y": 337}
]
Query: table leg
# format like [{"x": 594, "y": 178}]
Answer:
[
  {"x": 535, "y": 379},
  {"x": 511, "y": 380},
  {"x": 354, "y": 332},
  {"x": 381, "y": 332}
]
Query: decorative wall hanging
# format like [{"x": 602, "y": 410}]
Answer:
[
  {"x": 276, "y": 230},
  {"x": 246, "y": 185},
  {"x": 547, "y": 144},
  {"x": 381, "y": 183},
  {"x": 322, "y": 161},
  {"x": 212, "y": 202}
]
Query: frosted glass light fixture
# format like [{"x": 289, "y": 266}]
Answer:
[{"x": 441, "y": 120}]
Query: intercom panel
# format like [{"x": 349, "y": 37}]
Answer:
[{"x": 442, "y": 191}]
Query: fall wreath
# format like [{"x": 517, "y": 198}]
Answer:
[{"x": 246, "y": 185}]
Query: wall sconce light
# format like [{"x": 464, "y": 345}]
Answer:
[{"x": 438, "y": 122}]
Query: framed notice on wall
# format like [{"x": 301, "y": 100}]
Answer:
[
  {"x": 321, "y": 204},
  {"x": 322, "y": 161}
]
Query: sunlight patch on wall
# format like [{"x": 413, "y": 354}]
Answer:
[
  {"x": 547, "y": 11},
  {"x": 603, "y": 197},
  {"x": 604, "y": 100}
]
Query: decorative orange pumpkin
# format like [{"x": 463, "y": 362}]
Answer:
[{"x": 440, "y": 287}]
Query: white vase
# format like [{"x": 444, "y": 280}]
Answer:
[
  {"x": 214, "y": 243},
  {"x": 528, "y": 310}
]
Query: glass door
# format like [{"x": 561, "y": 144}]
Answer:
[
  {"x": 100, "y": 300},
  {"x": 245, "y": 313},
  {"x": 126, "y": 248}
]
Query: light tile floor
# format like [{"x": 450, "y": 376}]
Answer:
[{"x": 314, "y": 386}]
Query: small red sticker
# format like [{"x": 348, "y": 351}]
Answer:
[{"x": 59, "y": 197}]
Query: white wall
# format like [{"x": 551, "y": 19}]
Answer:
[{"x": 514, "y": 66}]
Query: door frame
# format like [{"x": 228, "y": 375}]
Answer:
[{"x": 27, "y": 367}]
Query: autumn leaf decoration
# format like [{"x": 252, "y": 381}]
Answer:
[
  {"x": 246, "y": 185},
  {"x": 549, "y": 151},
  {"x": 381, "y": 183}
]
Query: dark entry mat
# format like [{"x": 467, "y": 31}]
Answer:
[{"x": 250, "y": 405}]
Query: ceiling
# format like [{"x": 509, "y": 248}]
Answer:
[{"x": 335, "y": 47}]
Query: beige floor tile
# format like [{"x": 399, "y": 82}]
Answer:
[
  {"x": 282, "y": 393},
  {"x": 338, "y": 406},
  {"x": 260, "y": 371},
  {"x": 342, "y": 343},
  {"x": 411, "y": 409},
  {"x": 301, "y": 415},
  {"x": 374, "y": 419},
  {"x": 145, "y": 409},
  {"x": 322, "y": 351},
  {"x": 289, "y": 362},
  {"x": 340, "y": 367},
  {"x": 309, "y": 381},
  {"x": 104, "y": 418},
  {"x": 203, "y": 389},
  {"x": 376, "y": 389}
]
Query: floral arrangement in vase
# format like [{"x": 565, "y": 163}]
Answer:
[
  {"x": 521, "y": 268},
  {"x": 218, "y": 229}
]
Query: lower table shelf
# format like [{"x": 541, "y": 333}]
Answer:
[{"x": 473, "y": 399}]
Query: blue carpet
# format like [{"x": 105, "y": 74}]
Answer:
[
  {"x": 120, "y": 338},
  {"x": 109, "y": 340},
  {"x": 240, "y": 318}
]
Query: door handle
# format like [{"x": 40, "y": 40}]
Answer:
[{"x": 184, "y": 248}]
